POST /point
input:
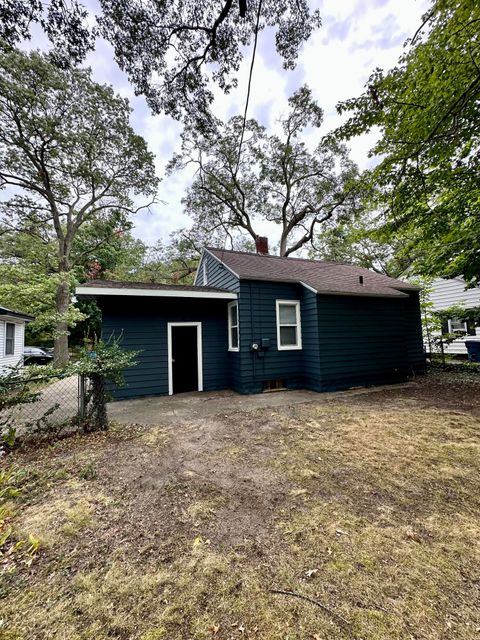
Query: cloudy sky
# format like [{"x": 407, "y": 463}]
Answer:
[{"x": 356, "y": 37}]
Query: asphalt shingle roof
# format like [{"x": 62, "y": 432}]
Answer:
[{"x": 324, "y": 277}]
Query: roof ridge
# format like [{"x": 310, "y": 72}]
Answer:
[{"x": 270, "y": 255}]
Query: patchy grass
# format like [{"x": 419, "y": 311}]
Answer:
[
  {"x": 366, "y": 506},
  {"x": 455, "y": 370}
]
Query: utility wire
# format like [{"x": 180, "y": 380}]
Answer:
[{"x": 259, "y": 9}]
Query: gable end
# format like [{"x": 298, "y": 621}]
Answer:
[{"x": 218, "y": 273}]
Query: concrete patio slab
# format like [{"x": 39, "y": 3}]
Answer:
[{"x": 154, "y": 410}]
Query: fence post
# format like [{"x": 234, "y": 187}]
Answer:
[{"x": 81, "y": 397}]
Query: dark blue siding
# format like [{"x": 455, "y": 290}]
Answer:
[
  {"x": 257, "y": 315},
  {"x": 416, "y": 354},
  {"x": 362, "y": 341},
  {"x": 310, "y": 340},
  {"x": 142, "y": 325},
  {"x": 217, "y": 274},
  {"x": 346, "y": 341}
]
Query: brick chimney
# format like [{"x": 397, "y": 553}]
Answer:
[{"x": 261, "y": 245}]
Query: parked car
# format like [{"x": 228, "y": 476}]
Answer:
[{"x": 35, "y": 355}]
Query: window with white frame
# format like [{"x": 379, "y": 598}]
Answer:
[
  {"x": 205, "y": 273},
  {"x": 289, "y": 333},
  {"x": 233, "y": 335},
  {"x": 9, "y": 339},
  {"x": 457, "y": 326}
]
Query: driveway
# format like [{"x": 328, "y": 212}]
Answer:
[
  {"x": 153, "y": 410},
  {"x": 59, "y": 400}
]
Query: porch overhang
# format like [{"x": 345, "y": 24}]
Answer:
[{"x": 165, "y": 292}]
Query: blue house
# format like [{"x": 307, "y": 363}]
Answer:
[{"x": 254, "y": 322}]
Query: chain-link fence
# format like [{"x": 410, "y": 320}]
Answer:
[
  {"x": 92, "y": 399},
  {"x": 53, "y": 405},
  {"x": 56, "y": 406},
  {"x": 38, "y": 401}
]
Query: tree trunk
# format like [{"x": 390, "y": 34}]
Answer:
[
  {"x": 442, "y": 351},
  {"x": 429, "y": 336},
  {"x": 62, "y": 300}
]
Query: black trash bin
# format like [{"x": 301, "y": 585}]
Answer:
[{"x": 473, "y": 348}]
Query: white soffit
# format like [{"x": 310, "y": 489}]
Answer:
[{"x": 154, "y": 293}]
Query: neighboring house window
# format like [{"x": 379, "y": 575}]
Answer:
[
  {"x": 458, "y": 326},
  {"x": 289, "y": 334},
  {"x": 9, "y": 339},
  {"x": 205, "y": 273},
  {"x": 233, "y": 337}
]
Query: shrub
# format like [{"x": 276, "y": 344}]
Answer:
[{"x": 103, "y": 363}]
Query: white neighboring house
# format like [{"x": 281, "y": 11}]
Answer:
[
  {"x": 446, "y": 293},
  {"x": 12, "y": 338}
]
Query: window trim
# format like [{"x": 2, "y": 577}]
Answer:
[
  {"x": 12, "y": 324},
  {"x": 452, "y": 330},
  {"x": 298, "y": 325},
  {"x": 233, "y": 326}
]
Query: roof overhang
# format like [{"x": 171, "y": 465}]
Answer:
[
  {"x": 6, "y": 314},
  {"x": 154, "y": 293},
  {"x": 357, "y": 294},
  {"x": 396, "y": 293},
  {"x": 369, "y": 294}
]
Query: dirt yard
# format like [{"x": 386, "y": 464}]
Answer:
[{"x": 352, "y": 517}]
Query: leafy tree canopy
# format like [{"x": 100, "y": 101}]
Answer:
[
  {"x": 171, "y": 50},
  {"x": 65, "y": 24},
  {"x": 26, "y": 288},
  {"x": 168, "y": 263},
  {"x": 29, "y": 278},
  {"x": 117, "y": 257},
  {"x": 428, "y": 111},
  {"x": 69, "y": 162},
  {"x": 186, "y": 245},
  {"x": 361, "y": 240},
  {"x": 273, "y": 178}
]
